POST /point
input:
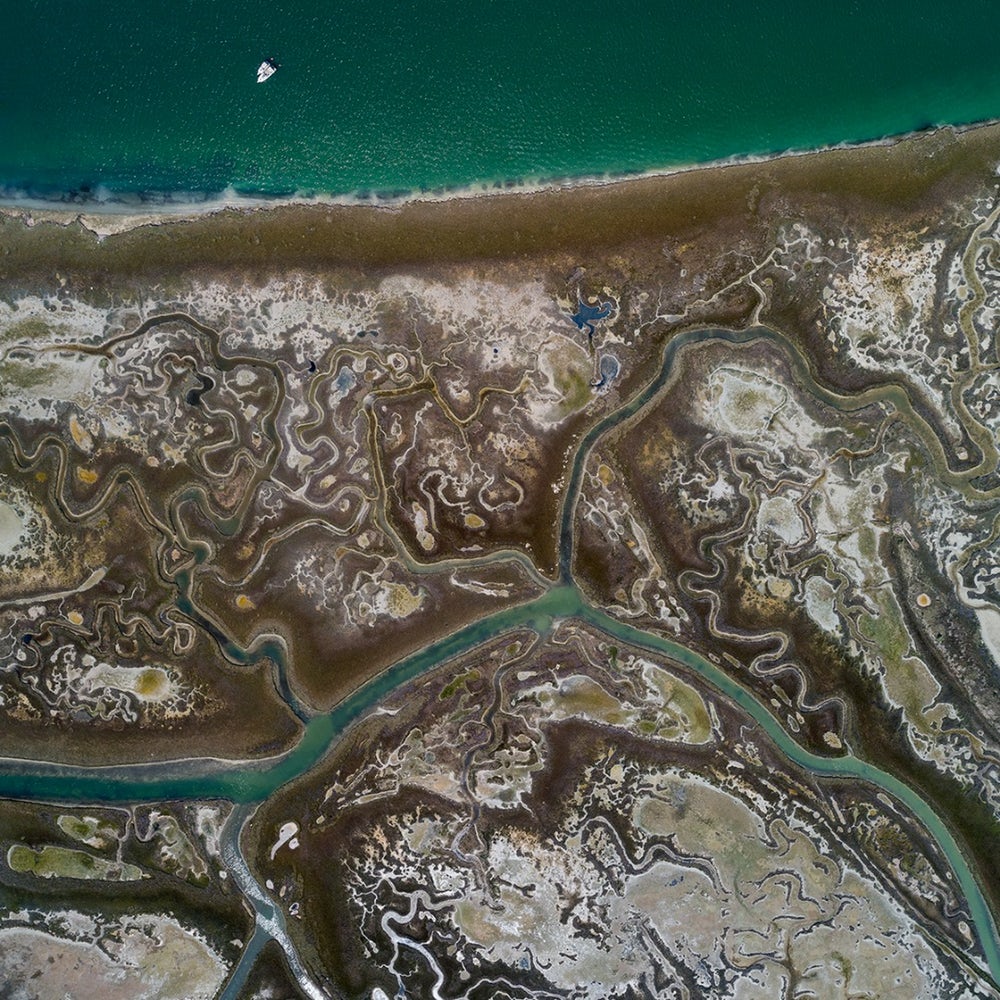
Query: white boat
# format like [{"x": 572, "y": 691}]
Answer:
[{"x": 266, "y": 70}]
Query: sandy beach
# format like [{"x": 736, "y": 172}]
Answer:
[{"x": 490, "y": 224}]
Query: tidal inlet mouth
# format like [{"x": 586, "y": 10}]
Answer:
[{"x": 587, "y": 593}]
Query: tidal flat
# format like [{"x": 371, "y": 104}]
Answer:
[{"x": 631, "y": 548}]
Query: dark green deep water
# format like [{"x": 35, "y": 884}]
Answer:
[{"x": 391, "y": 96}]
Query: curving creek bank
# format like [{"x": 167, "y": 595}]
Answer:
[{"x": 246, "y": 783}]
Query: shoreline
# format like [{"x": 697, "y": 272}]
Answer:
[
  {"x": 571, "y": 222},
  {"x": 106, "y": 216}
]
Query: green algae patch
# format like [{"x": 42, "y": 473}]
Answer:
[
  {"x": 461, "y": 681},
  {"x": 152, "y": 682},
  {"x": 89, "y": 830},
  {"x": 574, "y": 387},
  {"x": 692, "y": 721},
  {"x": 26, "y": 330},
  {"x": 62, "y": 862},
  {"x": 25, "y": 375}
]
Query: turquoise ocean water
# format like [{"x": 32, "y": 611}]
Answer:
[{"x": 400, "y": 96}]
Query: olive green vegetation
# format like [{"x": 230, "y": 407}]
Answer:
[
  {"x": 89, "y": 830},
  {"x": 458, "y": 683},
  {"x": 51, "y": 861}
]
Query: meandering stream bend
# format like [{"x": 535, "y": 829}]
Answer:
[{"x": 245, "y": 783}]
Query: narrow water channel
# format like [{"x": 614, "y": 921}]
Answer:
[{"x": 245, "y": 783}]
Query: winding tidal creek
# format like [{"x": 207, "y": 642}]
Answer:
[{"x": 246, "y": 783}]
